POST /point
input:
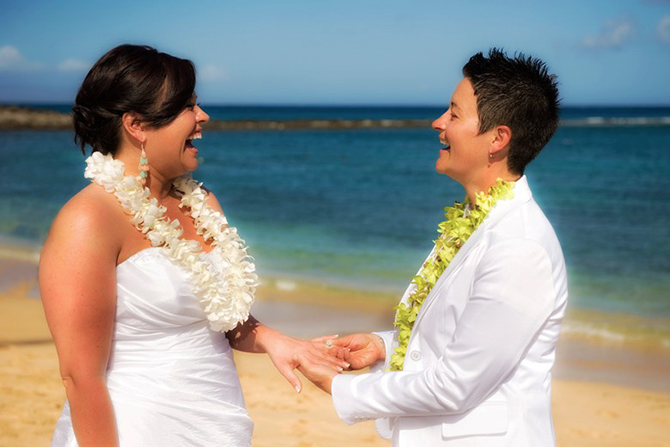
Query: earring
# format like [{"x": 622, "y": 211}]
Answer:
[
  {"x": 490, "y": 155},
  {"x": 144, "y": 165}
]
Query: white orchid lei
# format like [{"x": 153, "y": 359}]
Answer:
[{"x": 227, "y": 294}]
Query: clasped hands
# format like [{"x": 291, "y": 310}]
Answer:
[
  {"x": 357, "y": 351},
  {"x": 322, "y": 358}
]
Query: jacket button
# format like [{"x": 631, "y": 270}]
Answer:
[{"x": 415, "y": 355}]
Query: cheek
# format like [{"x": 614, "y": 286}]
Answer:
[{"x": 455, "y": 131}]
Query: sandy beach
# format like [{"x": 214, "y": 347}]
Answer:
[{"x": 604, "y": 395}]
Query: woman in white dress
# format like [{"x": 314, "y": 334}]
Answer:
[{"x": 145, "y": 287}]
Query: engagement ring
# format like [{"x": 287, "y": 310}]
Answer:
[{"x": 329, "y": 343}]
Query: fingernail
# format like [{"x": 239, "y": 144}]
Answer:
[
  {"x": 297, "y": 389},
  {"x": 340, "y": 369},
  {"x": 348, "y": 365}
]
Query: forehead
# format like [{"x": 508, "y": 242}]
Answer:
[{"x": 464, "y": 97}]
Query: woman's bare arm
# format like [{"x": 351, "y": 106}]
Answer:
[
  {"x": 254, "y": 336},
  {"x": 78, "y": 288}
]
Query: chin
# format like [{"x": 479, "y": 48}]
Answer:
[
  {"x": 446, "y": 171},
  {"x": 440, "y": 168},
  {"x": 190, "y": 165}
]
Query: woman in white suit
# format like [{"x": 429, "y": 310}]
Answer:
[{"x": 470, "y": 361}]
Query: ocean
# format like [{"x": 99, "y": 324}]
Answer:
[{"x": 360, "y": 207}]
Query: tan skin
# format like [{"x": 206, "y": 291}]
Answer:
[
  {"x": 91, "y": 236},
  {"x": 475, "y": 160}
]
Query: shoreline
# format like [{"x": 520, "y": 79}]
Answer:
[
  {"x": 305, "y": 315},
  {"x": 604, "y": 393},
  {"x": 595, "y": 346},
  {"x": 610, "y": 330},
  {"x": 308, "y": 310}
]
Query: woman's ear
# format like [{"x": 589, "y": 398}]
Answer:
[
  {"x": 502, "y": 135},
  {"x": 133, "y": 126}
]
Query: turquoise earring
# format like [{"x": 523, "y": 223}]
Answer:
[{"x": 144, "y": 165}]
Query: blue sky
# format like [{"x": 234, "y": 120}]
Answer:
[{"x": 605, "y": 52}]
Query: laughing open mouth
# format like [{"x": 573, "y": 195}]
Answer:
[{"x": 196, "y": 136}]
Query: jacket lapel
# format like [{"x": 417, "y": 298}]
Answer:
[
  {"x": 522, "y": 195},
  {"x": 411, "y": 286}
]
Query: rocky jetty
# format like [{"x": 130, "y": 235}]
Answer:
[
  {"x": 312, "y": 124},
  {"x": 24, "y": 118}
]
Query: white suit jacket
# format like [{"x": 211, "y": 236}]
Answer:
[{"x": 478, "y": 365}]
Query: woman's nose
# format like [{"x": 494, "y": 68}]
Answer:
[
  {"x": 440, "y": 122},
  {"x": 202, "y": 116}
]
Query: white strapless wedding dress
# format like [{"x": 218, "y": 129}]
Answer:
[{"x": 172, "y": 380}]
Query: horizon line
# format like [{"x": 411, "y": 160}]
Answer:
[{"x": 349, "y": 105}]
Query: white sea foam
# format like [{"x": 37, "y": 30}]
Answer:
[
  {"x": 286, "y": 286},
  {"x": 592, "y": 332},
  {"x": 595, "y": 120},
  {"x": 600, "y": 121},
  {"x": 636, "y": 333},
  {"x": 27, "y": 255}
]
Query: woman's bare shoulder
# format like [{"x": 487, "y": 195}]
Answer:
[
  {"x": 212, "y": 201},
  {"x": 92, "y": 214}
]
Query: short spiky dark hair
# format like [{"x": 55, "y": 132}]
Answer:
[{"x": 517, "y": 92}]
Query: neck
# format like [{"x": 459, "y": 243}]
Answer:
[
  {"x": 159, "y": 186},
  {"x": 484, "y": 182}
]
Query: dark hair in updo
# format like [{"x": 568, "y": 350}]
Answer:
[{"x": 130, "y": 78}]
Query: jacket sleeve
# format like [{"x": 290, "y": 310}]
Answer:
[
  {"x": 511, "y": 298},
  {"x": 387, "y": 337}
]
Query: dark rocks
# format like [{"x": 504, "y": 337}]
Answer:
[{"x": 25, "y": 118}]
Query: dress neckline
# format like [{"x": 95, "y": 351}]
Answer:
[{"x": 140, "y": 253}]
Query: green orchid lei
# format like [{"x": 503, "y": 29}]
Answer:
[{"x": 454, "y": 231}]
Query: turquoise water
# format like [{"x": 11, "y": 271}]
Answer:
[{"x": 360, "y": 207}]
